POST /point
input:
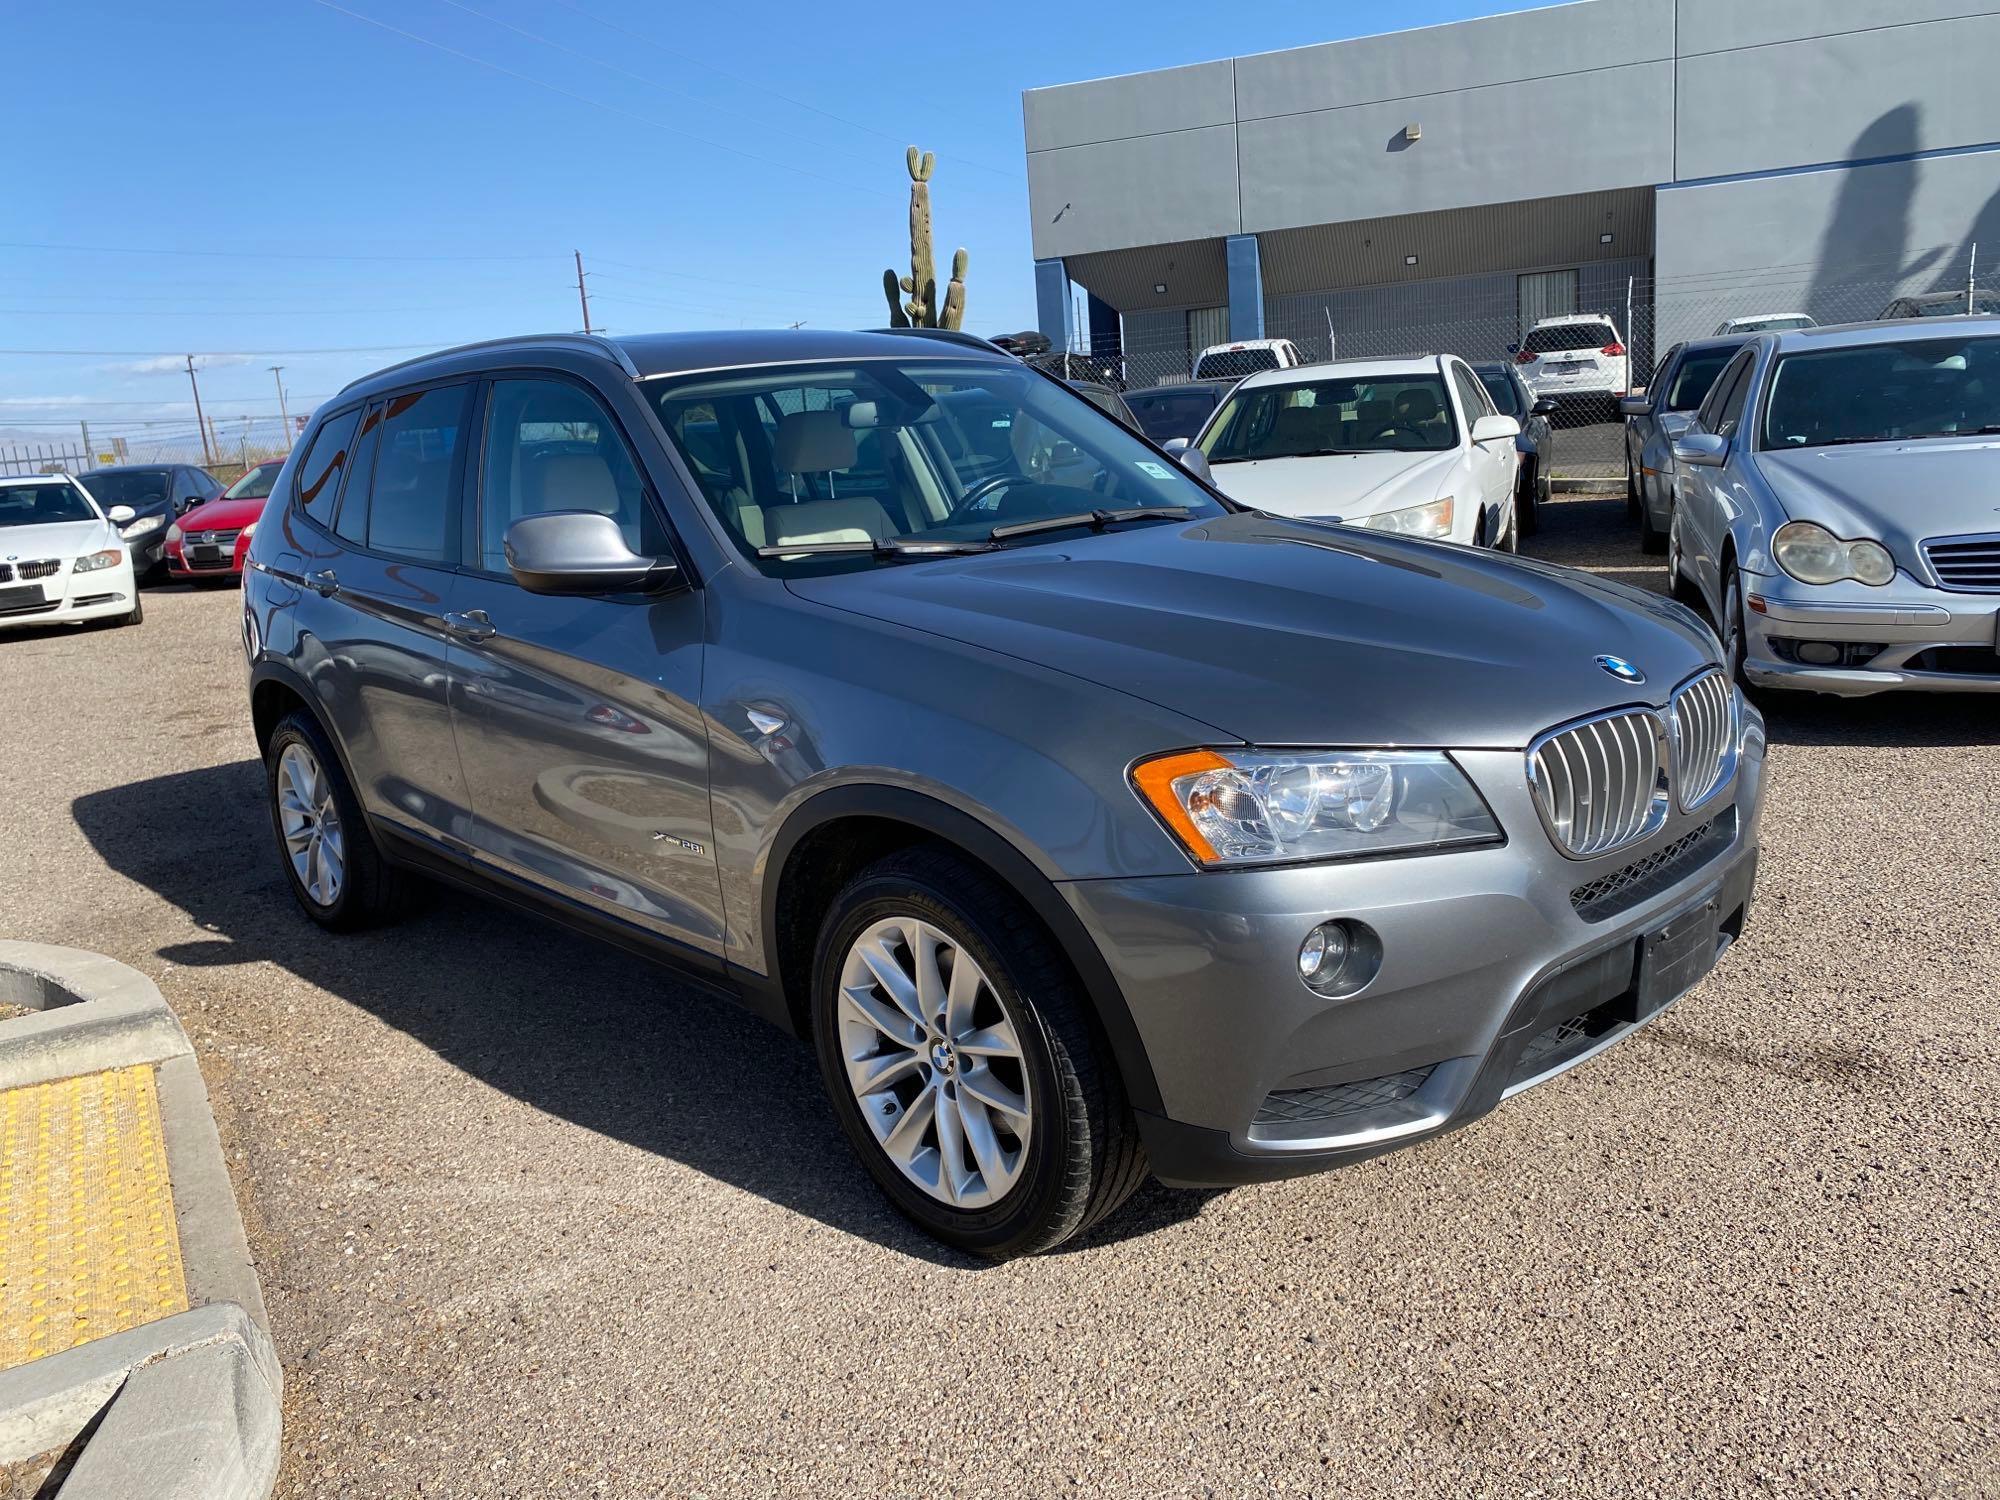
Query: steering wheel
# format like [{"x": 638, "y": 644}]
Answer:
[
  {"x": 1381, "y": 432},
  {"x": 978, "y": 492}
]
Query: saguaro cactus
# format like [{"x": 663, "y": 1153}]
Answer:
[{"x": 924, "y": 308}]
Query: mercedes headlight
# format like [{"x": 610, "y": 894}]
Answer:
[
  {"x": 1430, "y": 519},
  {"x": 1812, "y": 554},
  {"x": 96, "y": 562},
  {"x": 1255, "y": 807},
  {"x": 144, "y": 526}
]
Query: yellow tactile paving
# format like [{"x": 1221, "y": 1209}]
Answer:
[{"x": 87, "y": 1239}]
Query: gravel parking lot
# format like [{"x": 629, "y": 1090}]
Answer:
[{"x": 532, "y": 1220}]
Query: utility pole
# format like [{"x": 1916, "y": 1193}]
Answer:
[
  {"x": 206, "y": 457},
  {"x": 284, "y": 416},
  {"x": 581, "y": 295}
]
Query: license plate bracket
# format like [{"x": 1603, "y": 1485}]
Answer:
[
  {"x": 26, "y": 596},
  {"x": 1675, "y": 957},
  {"x": 205, "y": 552}
]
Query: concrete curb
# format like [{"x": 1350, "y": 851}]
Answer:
[{"x": 189, "y": 1405}]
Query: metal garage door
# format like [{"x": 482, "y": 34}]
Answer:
[
  {"x": 1545, "y": 294},
  {"x": 1207, "y": 326}
]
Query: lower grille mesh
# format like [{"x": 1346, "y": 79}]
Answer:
[
  {"x": 1300, "y": 1106},
  {"x": 1624, "y": 888}
]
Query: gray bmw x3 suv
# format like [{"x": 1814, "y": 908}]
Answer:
[{"x": 1087, "y": 822}]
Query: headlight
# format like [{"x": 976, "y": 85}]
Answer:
[
  {"x": 249, "y": 531},
  {"x": 1432, "y": 519},
  {"x": 1812, "y": 554},
  {"x": 174, "y": 532},
  {"x": 144, "y": 526},
  {"x": 98, "y": 561},
  {"x": 1254, "y": 807}
]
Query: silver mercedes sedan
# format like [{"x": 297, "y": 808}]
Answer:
[{"x": 1837, "y": 507}]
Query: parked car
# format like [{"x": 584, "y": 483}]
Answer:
[
  {"x": 1048, "y": 810},
  {"x": 1028, "y": 341},
  {"x": 1579, "y": 360},
  {"x": 1407, "y": 445},
  {"x": 1175, "y": 411},
  {"x": 1105, "y": 400},
  {"x": 1834, "y": 508},
  {"x": 61, "y": 557},
  {"x": 211, "y": 540},
  {"x": 1536, "y": 444},
  {"x": 1653, "y": 419},
  {"x": 1233, "y": 361},
  {"x": 1941, "y": 305},
  {"x": 155, "y": 494},
  {"x": 1764, "y": 323}
]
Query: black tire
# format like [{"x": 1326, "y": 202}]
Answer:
[
  {"x": 1084, "y": 1157},
  {"x": 371, "y": 890},
  {"x": 1731, "y": 624},
  {"x": 1633, "y": 507},
  {"x": 137, "y": 613},
  {"x": 1526, "y": 521}
]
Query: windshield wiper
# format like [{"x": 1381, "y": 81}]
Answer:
[
  {"x": 1096, "y": 520},
  {"x": 897, "y": 547}
]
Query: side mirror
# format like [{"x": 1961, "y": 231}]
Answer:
[
  {"x": 1634, "y": 406},
  {"x": 1195, "y": 462},
  {"x": 1546, "y": 407},
  {"x": 1703, "y": 449},
  {"x": 1176, "y": 446},
  {"x": 1494, "y": 429},
  {"x": 120, "y": 515},
  {"x": 581, "y": 552}
]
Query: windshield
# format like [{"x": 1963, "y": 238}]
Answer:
[
  {"x": 1506, "y": 400},
  {"x": 1695, "y": 375},
  {"x": 1563, "y": 336},
  {"x": 934, "y": 451},
  {"x": 1344, "y": 414},
  {"x": 133, "y": 487},
  {"x": 1172, "y": 414},
  {"x": 39, "y": 504},
  {"x": 1879, "y": 392},
  {"x": 1234, "y": 364},
  {"x": 256, "y": 485}
]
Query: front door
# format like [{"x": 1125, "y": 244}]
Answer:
[{"x": 578, "y": 718}]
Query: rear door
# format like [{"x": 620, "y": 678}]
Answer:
[{"x": 579, "y": 718}]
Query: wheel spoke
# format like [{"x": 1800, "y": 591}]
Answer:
[
  {"x": 990, "y": 1041},
  {"x": 872, "y": 1074},
  {"x": 980, "y": 1083},
  {"x": 898, "y": 986},
  {"x": 978, "y": 1127},
  {"x": 951, "y": 1150},
  {"x": 892, "y": 1023},
  {"x": 962, "y": 996},
  {"x": 332, "y": 863},
  {"x": 906, "y": 1137},
  {"x": 925, "y": 950}
]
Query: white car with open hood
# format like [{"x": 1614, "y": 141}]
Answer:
[
  {"x": 61, "y": 559},
  {"x": 1406, "y": 445}
]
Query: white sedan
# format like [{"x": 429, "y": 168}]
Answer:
[
  {"x": 1407, "y": 445},
  {"x": 61, "y": 560}
]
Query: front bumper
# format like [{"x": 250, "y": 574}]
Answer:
[
  {"x": 1905, "y": 636},
  {"x": 71, "y": 596},
  {"x": 185, "y": 564},
  {"x": 1493, "y": 978}
]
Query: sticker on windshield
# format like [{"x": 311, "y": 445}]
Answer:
[{"x": 1158, "y": 471}]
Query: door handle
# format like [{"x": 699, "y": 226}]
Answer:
[
  {"x": 473, "y": 625},
  {"x": 323, "y": 583}
]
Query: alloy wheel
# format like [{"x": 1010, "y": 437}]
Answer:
[
  {"x": 310, "y": 823},
  {"x": 935, "y": 1062}
]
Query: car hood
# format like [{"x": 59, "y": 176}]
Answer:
[
  {"x": 1347, "y": 485},
  {"x": 1898, "y": 493},
  {"x": 1286, "y": 632},
  {"x": 222, "y": 515},
  {"x": 55, "y": 539}
]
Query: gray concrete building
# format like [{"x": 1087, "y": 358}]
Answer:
[{"x": 1669, "y": 162}]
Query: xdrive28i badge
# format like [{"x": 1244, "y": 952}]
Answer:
[{"x": 1620, "y": 668}]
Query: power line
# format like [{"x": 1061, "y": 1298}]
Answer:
[
  {"x": 762, "y": 88},
  {"x": 626, "y": 114},
  {"x": 230, "y": 353},
  {"x": 261, "y": 254}
]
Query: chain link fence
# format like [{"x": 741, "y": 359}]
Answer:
[
  {"x": 1489, "y": 322},
  {"x": 80, "y": 445}
]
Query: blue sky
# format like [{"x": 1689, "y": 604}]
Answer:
[{"x": 281, "y": 175}]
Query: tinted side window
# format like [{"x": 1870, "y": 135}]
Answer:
[
  {"x": 325, "y": 462},
  {"x": 353, "y": 520},
  {"x": 1709, "y": 414},
  {"x": 416, "y": 467},
  {"x": 1471, "y": 394},
  {"x": 1730, "y": 414},
  {"x": 551, "y": 446}
]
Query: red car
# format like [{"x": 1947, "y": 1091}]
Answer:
[{"x": 211, "y": 540}]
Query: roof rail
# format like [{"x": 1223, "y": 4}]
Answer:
[
  {"x": 945, "y": 335},
  {"x": 594, "y": 343}
]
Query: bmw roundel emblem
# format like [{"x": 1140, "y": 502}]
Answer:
[{"x": 1620, "y": 668}]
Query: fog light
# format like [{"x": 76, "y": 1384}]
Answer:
[
  {"x": 1819, "y": 653},
  {"x": 1338, "y": 958}
]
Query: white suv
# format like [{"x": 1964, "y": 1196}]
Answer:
[
  {"x": 1581, "y": 357},
  {"x": 1246, "y": 357},
  {"x": 1407, "y": 445}
]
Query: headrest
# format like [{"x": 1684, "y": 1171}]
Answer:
[
  {"x": 1417, "y": 404},
  {"x": 1378, "y": 409},
  {"x": 575, "y": 481},
  {"x": 811, "y": 442}
]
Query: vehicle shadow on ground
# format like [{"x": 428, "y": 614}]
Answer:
[{"x": 582, "y": 1031}]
